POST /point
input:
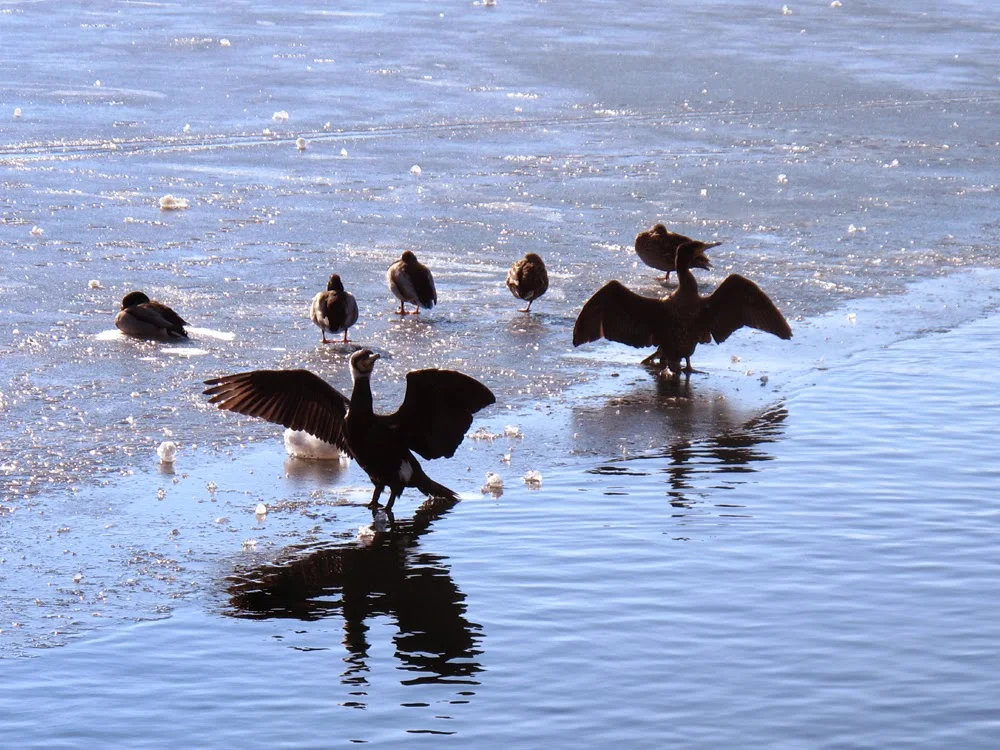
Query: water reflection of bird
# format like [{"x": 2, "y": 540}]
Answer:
[
  {"x": 701, "y": 445},
  {"x": 334, "y": 310},
  {"x": 383, "y": 578},
  {"x": 728, "y": 454},
  {"x": 432, "y": 420},
  {"x": 678, "y": 323},
  {"x": 657, "y": 248},
  {"x": 148, "y": 319},
  {"x": 411, "y": 281},
  {"x": 527, "y": 279}
]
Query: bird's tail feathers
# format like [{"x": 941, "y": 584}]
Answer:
[{"x": 432, "y": 489}]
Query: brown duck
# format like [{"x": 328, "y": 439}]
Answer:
[
  {"x": 675, "y": 325},
  {"x": 527, "y": 279},
  {"x": 148, "y": 319},
  {"x": 657, "y": 248},
  {"x": 334, "y": 310},
  {"x": 411, "y": 281}
]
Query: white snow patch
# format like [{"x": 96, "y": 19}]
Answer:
[
  {"x": 300, "y": 444},
  {"x": 167, "y": 451},
  {"x": 211, "y": 333},
  {"x": 184, "y": 351}
]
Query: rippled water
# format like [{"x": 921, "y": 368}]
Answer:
[{"x": 795, "y": 549}]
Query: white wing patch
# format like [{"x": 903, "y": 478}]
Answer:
[{"x": 405, "y": 470}]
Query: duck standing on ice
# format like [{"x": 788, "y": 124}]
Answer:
[
  {"x": 411, "y": 281},
  {"x": 334, "y": 310}
]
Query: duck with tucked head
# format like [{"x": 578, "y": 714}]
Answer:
[
  {"x": 436, "y": 411},
  {"x": 675, "y": 325},
  {"x": 334, "y": 310},
  {"x": 148, "y": 319},
  {"x": 657, "y": 248},
  {"x": 411, "y": 281},
  {"x": 527, "y": 279}
]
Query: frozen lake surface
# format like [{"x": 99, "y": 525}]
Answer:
[{"x": 797, "y": 548}]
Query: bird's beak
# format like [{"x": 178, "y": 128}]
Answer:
[{"x": 374, "y": 356}]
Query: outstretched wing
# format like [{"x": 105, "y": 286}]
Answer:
[
  {"x": 297, "y": 399},
  {"x": 437, "y": 410},
  {"x": 617, "y": 314},
  {"x": 739, "y": 302}
]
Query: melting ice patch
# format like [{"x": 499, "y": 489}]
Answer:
[
  {"x": 173, "y": 203},
  {"x": 533, "y": 479},
  {"x": 482, "y": 434},
  {"x": 493, "y": 485}
]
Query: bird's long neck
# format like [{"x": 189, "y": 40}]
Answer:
[
  {"x": 686, "y": 282},
  {"x": 361, "y": 396}
]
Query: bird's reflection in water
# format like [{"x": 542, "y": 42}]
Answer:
[
  {"x": 360, "y": 582},
  {"x": 733, "y": 452},
  {"x": 314, "y": 472},
  {"x": 707, "y": 442}
]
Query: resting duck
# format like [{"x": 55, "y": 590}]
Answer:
[
  {"x": 657, "y": 247},
  {"x": 410, "y": 281},
  {"x": 148, "y": 319},
  {"x": 678, "y": 323},
  {"x": 432, "y": 420},
  {"x": 334, "y": 310},
  {"x": 527, "y": 279}
]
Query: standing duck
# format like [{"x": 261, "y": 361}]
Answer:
[
  {"x": 148, "y": 319},
  {"x": 410, "y": 281},
  {"x": 678, "y": 323},
  {"x": 527, "y": 279},
  {"x": 657, "y": 247},
  {"x": 436, "y": 411},
  {"x": 334, "y": 310}
]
